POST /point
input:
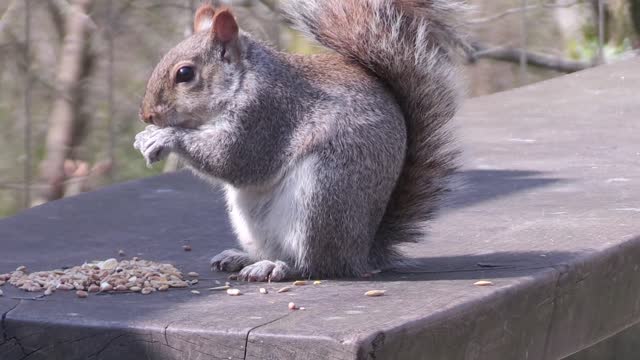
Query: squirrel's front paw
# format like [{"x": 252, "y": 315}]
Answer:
[{"x": 155, "y": 143}]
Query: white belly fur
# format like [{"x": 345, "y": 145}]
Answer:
[{"x": 271, "y": 223}]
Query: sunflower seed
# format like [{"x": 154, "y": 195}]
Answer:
[
  {"x": 234, "y": 292},
  {"x": 483, "y": 283},
  {"x": 217, "y": 288},
  {"x": 374, "y": 293}
]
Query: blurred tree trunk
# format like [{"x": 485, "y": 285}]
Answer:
[{"x": 66, "y": 110}]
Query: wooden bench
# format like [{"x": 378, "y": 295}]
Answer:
[{"x": 549, "y": 211}]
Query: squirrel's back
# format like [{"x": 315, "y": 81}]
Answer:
[{"x": 411, "y": 45}]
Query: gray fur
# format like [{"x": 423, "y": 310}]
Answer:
[{"x": 312, "y": 151}]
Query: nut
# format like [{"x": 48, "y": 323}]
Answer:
[
  {"x": 317, "y": 282},
  {"x": 374, "y": 293},
  {"x": 284, "y": 289},
  {"x": 1, "y": 293},
  {"x": 193, "y": 274},
  {"x": 82, "y": 294},
  {"x": 163, "y": 288},
  {"x": 121, "y": 288},
  {"x": 263, "y": 291},
  {"x": 292, "y": 306},
  {"x": 299, "y": 283},
  {"x": 135, "y": 288},
  {"x": 186, "y": 247},
  {"x": 121, "y": 252},
  {"x": 94, "y": 288},
  {"x": 483, "y": 283},
  {"x": 195, "y": 292},
  {"x": 234, "y": 292},
  {"x": 146, "y": 291}
]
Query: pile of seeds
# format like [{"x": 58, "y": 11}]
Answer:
[{"x": 101, "y": 276}]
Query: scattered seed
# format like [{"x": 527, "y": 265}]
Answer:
[
  {"x": 65, "y": 287},
  {"x": 108, "y": 264},
  {"x": 292, "y": 306},
  {"x": 375, "y": 293},
  {"x": 193, "y": 274},
  {"x": 217, "y": 288},
  {"x": 284, "y": 289},
  {"x": 179, "y": 284},
  {"x": 194, "y": 281},
  {"x": 317, "y": 282},
  {"x": 263, "y": 291},
  {"x": 82, "y": 294},
  {"x": 146, "y": 291},
  {"x": 186, "y": 247},
  {"x": 121, "y": 252},
  {"x": 299, "y": 283},
  {"x": 105, "y": 286},
  {"x": 21, "y": 268},
  {"x": 195, "y": 292},
  {"x": 483, "y": 283},
  {"x": 234, "y": 292},
  {"x": 96, "y": 276}
]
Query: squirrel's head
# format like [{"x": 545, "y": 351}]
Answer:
[{"x": 196, "y": 79}]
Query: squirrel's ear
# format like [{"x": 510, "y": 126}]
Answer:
[
  {"x": 225, "y": 28},
  {"x": 203, "y": 20}
]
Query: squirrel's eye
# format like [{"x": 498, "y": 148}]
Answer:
[{"x": 185, "y": 74}]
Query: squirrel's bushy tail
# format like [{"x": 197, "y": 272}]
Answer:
[{"x": 412, "y": 46}]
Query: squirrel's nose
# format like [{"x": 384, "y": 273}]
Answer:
[{"x": 148, "y": 117}]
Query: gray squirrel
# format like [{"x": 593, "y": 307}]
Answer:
[{"x": 329, "y": 161}]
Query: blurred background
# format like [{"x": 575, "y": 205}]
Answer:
[{"x": 72, "y": 73}]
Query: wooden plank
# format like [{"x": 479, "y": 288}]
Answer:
[{"x": 548, "y": 212}]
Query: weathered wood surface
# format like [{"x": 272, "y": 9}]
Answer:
[{"x": 549, "y": 211}]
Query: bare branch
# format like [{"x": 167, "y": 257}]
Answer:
[{"x": 535, "y": 59}]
